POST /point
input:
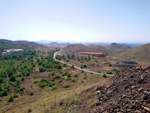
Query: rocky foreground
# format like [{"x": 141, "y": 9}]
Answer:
[{"x": 129, "y": 92}]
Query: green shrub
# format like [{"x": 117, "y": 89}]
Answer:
[
  {"x": 63, "y": 74},
  {"x": 15, "y": 95},
  {"x": 69, "y": 78},
  {"x": 82, "y": 71},
  {"x": 1, "y": 94},
  {"x": 67, "y": 86},
  {"x": 51, "y": 84},
  {"x": 10, "y": 99},
  {"x": 1, "y": 80},
  {"x": 35, "y": 82},
  {"x": 85, "y": 66},
  {"x": 110, "y": 65},
  {"x": 43, "y": 80},
  {"x": 76, "y": 76},
  {"x": 60, "y": 80},
  {"x": 53, "y": 74},
  {"x": 18, "y": 82},
  {"x": 59, "y": 67},
  {"x": 99, "y": 71},
  {"x": 54, "y": 88},
  {"x": 5, "y": 92},
  {"x": 41, "y": 69},
  {"x": 74, "y": 81},
  {"x": 21, "y": 89},
  {"x": 72, "y": 66},
  {"x": 31, "y": 93},
  {"x": 85, "y": 78},
  {"x": 12, "y": 78},
  {"x": 42, "y": 86},
  {"x": 82, "y": 81},
  {"x": 69, "y": 75},
  {"x": 34, "y": 77},
  {"x": 109, "y": 72},
  {"x": 115, "y": 70},
  {"x": 23, "y": 78},
  {"x": 104, "y": 75}
]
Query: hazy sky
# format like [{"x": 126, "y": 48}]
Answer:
[{"x": 76, "y": 20}]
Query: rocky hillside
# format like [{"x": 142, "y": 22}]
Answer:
[{"x": 129, "y": 92}]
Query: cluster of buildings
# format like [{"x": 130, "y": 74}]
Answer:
[{"x": 9, "y": 51}]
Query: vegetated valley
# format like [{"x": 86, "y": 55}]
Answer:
[{"x": 81, "y": 79}]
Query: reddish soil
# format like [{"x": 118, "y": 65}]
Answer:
[{"x": 129, "y": 92}]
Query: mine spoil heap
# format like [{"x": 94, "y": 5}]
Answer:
[{"x": 129, "y": 92}]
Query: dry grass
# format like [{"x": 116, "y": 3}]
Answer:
[{"x": 45, "y": 99}]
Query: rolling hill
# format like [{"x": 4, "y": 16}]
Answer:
[
  {"x": 83, "y": 48},
  {"x": 115, "y": 46},
  {"x": 141, "y": 53}
]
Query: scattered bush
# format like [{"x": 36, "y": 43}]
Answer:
[
  {"x": 21, "y": 89},
  {"x": 54, "y": 88},
  {"x": 60, "y": 80},
  {"x": 34, "y": 77},
  {"x": 99, "y": 71},
  {"x": 74, "y": 81},
  {"x": 42, "y": 86},
  {"x": 5, "y": 92},
  {"x": 82, "y": 81},
  {"x": 69, "y": 78},
  {"x": 67, "y": 86},
  {"x": 53, "y": 74},
  {"x": 104, "y": 75},
  {"x": 35, "y": 82},
  {"x": 76, "y": 76},
  {"x": 115, "y": 70},
  {"x": 12, "y": 78},
  {"x": 69, "y": 75},
  {"x": 84, "y": 66},
  {"x": 43, "y": 80},
  {"x": 109, "y": 72},
  {"x": 10, "y": 99},
  {"x": 59, "y": 67},
  {"x": 23, "y": 78},
  {"x": 72, "y": 66},
  {"x": 110, "y": 65},
  {"x": 85, "y": 78},
  {"x": 51, "y": 84},
  {"x": 31, "y": 93}
]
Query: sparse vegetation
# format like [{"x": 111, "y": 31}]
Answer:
[
  {"x": 54, "y": 88},
  {"x": 10, "y": 99},
  {"x": 42, "y": 86},
  {"x": 108, "y": 72},
  {"x": 104, "y": 75},
  {"x": 67, "y": 86}
]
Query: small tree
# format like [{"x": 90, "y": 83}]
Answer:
[
  {"x": 59, "y": 67},
  {"x": 104, "y": 75},
  {"x": 10, "y": 99},
  {"x": 12, "y": 78}
]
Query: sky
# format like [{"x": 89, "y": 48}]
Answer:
[{"x": 75, "y": 20}]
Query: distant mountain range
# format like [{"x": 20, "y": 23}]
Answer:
[{"x": 27, "y": 44}]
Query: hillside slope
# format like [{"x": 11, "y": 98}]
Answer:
[
  {"x": 141, "y": 53},
  {"x": 82, "y": 48}
]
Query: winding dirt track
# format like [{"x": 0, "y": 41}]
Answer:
[{"x": 78, "y": 67}]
